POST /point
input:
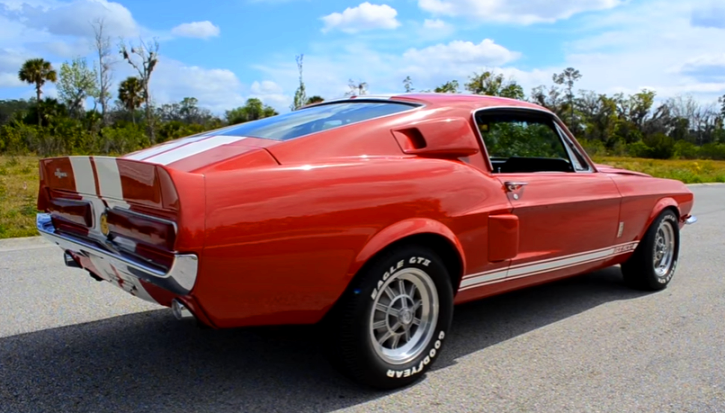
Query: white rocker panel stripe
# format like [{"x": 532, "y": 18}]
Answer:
[{"x": 543, "y": 266}]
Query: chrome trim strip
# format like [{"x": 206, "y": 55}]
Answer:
[{"x": 180, "y": 278}]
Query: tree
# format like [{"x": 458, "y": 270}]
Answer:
[
  {"x": 103, "y": 68},
  {"x": 300, "y": 94},
  {"x": 448, "y": 87},
  {"x": 149, "y": 59},
  {"x": 254, "y": 109},
  {"x": 315, "y": 99},
  {"x": 37, "y": 72},
  {"x": 77, "y": 82},
  {"x": 567, "y": 78},
  {"x": 357, "y": 88},
  {"x": 494, "y": 84},
  {"x": 131, "y": 94},
  {"x": 408, "y": 84}
]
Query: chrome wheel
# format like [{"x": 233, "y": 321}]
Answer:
[
  {"x": 664, "y": 248},
  {"x": 404, "y": 315}
]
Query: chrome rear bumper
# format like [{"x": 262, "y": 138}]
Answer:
[
  {"x": 690, "y": 220},
  {"x": 180, "y": 278}
]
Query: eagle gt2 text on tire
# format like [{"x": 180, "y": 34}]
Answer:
[{"x": 393, "y": 323}]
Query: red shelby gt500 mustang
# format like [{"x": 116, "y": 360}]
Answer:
[{"x": 371, "y": 215}]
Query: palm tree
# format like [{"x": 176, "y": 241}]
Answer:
[
  {"x": 130, "y": 93},
  {"x": 37, "y": 72}
]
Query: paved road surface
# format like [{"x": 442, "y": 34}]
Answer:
[{"x": 588, "y": 344}]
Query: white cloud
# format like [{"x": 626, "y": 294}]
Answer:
[
  {"x": 434, "y": 24},
  {"x": 462, "y": 52},
  {"x": 217, "y": 89},
  {"x": 652, "y": 45},
  {"x": 202, "y": 30},
  {"x": 515, "y": 11},
  {"x": 74, "y": 18},
  {"x": 271, "y": 94},
  {"x": 366, "y": 16},
  {"x": 708, "y": 67},
  {"x": 710, "y": 15},
  {"x": 8, "y": 79},
  {"x": 327, "y": 74}
]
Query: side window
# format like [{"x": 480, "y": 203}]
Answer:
[{"x": 518, "y": 142}]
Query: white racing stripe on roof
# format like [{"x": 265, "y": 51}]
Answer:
[{"x": 192, "y": 149}]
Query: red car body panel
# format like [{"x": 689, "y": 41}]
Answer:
[{"x": 276, "y": 230}]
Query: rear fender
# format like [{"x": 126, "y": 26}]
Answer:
[
  {"x": 660, "y": 206},
  {"x": 401, "y": 230}
]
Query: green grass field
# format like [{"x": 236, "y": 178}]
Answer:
[{"x": 19, "y": 184}]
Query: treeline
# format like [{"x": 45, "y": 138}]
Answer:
[
  {"x": 119, "y": 121},
  {"x": 126, "y": 119},
  {"x": 619, "y": 124}
]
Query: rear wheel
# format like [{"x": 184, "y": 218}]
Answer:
[
  {"x": 654, "y": 262},
  {"x": 393, "y": 323}
]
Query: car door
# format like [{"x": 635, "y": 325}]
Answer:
[{"x": 568, "y": 213}]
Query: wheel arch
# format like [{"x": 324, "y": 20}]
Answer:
[
  {"x": 661, "y": 205},
  {"x": 421, "y": 231}
]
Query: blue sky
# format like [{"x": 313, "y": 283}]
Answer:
[{"x": 225, "y": 52}]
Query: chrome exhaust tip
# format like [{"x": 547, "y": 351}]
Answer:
[
  {"x": 180, "y": 311},
  {"x": 70, "y": 261}
]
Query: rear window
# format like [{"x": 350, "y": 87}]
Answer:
[{"x": 315, "y": 119}]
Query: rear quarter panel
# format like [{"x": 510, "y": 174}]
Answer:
[
  {"x": 281, "y": 242},
  {"x": 644, "y": 198}
]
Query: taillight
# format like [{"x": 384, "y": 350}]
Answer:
[{"x": 152, "y": 231}]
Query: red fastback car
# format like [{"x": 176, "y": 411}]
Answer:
[{"x": 372, "y": 216}]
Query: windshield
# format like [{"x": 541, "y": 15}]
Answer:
[{"x": 315, "y": 119}]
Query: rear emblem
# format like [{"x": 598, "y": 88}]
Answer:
[
  {"x": 104, "y": 224},
  {"x": 60, "y": 174}
]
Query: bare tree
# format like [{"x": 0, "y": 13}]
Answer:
[
  {"x": 105, "y": 61},
  {"x": 301, "y": 93},
  {"x": 149, "y": 59},
  {"x": 357, "y": 88}
]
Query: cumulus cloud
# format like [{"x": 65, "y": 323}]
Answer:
[
  {"x": 706, "y": 68},
  {"x": 651, "y": 45},
  {"x": 201, "y": 30},
  {"x": 73, "y": 18},
  {"x": 366, "y": 16},
  {"x": 434, "y": 24},
  {"x": 515, "y": 11},
  {"x": 217, "y": 89},
  {"x": 487, "y": 52},
  {"x": 712, "y": 15}
]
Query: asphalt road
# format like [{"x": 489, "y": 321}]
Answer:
[{"x": 587, "y": 344}]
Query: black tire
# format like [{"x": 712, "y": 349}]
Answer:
[
  {"x": 639, "y": 270},
  {"x": 350, "y": 335}
]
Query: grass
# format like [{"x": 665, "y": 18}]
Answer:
[
  {"x": 18, "y": 196},
  {"x": 19, "y": 184},
  {"x": 687, "y": 171}
]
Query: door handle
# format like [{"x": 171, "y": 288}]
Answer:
[{"x": 514, "y": 186}]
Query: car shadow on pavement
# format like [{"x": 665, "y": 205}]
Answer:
[{"x": 150, "y": 362}]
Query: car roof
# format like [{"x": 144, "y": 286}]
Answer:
[{"x": 450, "y": 100}]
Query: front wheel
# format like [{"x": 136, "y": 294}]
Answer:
[
  {"x": 653, "y": 264},
  {"x": 392, "y": 324}
]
